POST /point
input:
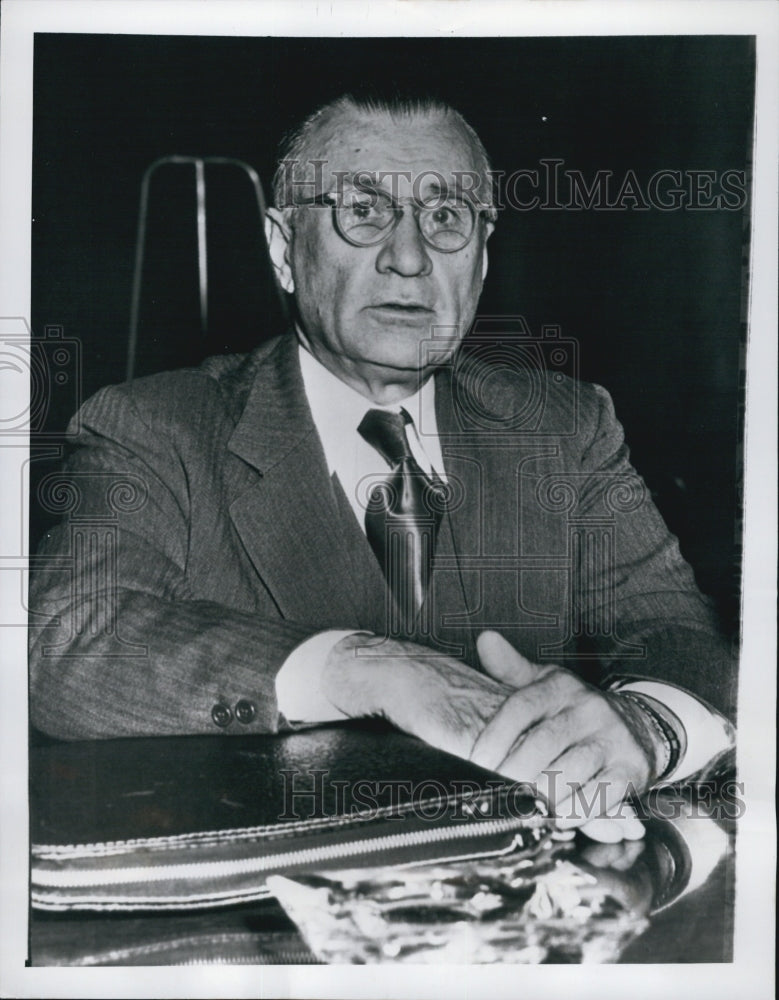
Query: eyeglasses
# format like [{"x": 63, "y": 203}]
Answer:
[{"x": 367, "y": 217}]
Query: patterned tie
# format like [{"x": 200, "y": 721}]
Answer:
[{"x": 402, "y": 517}]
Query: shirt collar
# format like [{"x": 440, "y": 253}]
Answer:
[{"x": 336, "y": 408}]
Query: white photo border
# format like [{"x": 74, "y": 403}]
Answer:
[{"x": 751, "y": 973}]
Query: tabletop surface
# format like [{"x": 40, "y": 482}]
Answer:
[{"x": 674, "y": 890}]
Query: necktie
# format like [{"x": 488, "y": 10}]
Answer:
[{"x": 402, "y": 516}]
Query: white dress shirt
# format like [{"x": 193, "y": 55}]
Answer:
[{"x": 337, "y": 410}]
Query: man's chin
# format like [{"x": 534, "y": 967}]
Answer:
[
  {"x": 410, "y": 347},
  {"x": 425, "y": 360}
]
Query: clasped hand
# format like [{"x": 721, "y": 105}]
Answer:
[{"x": 580, "y": 748}]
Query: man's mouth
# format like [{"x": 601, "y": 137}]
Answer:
[
  {"x": 409, "y": 309},
  {"x": 399, "y": 304}
]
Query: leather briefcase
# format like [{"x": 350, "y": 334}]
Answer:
[{"x": 197, "y": 822}]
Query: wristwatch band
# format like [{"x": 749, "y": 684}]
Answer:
[{"x": 707, "y": 732}]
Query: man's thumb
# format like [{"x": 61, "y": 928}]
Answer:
[{"x": 503, "y": 663}]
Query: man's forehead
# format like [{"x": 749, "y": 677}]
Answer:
[{"x": 378, "y": 143}]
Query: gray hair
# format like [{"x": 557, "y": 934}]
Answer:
[{"x": 298, "y": 146}]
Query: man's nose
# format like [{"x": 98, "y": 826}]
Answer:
[{"x": 405, "y": 252}]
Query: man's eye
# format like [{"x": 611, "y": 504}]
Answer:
[
  {"x": 443, "y": 215},
  {"x": 362, "y": 209},
  {"x": 448, "y": 214},
  {"x": 451, "y": 217},
  {"x": 366, "y": 211}
]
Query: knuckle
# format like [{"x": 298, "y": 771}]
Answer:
[
  {"x": 599, "y": 709},
  {"x": 554, "y": 690},
  {"x": 561, "y": 727},
  {"x": 560, "y": 684}
]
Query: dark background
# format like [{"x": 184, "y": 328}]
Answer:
[{"x": 654, "y": 299}]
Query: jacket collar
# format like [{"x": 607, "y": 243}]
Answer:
[
  {"x": 315, "y": 564},
  {"x": 296, "y": 526},
  {"x": 276, "y": 416}
]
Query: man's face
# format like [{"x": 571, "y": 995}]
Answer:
[{"x": 367, "y": 313}]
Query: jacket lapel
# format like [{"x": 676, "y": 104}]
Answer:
[
  {"x": 286, "y": 518},
  {"x": 370, "y": 591},
  {"x": 456, "y": 585},
  {"x": 300, "y": 532}
]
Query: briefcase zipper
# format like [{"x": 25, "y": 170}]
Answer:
[
  {"x": 308, "y": 857},
  {"x": 282, "y": 958}
]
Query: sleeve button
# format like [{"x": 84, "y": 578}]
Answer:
[
  {"x": 221, "y": 715},
  {"x": 245, "y": 711}
]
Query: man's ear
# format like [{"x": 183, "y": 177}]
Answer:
[
  {"x": 489, "y": 228},
  {"x": 278, "y": 236}
]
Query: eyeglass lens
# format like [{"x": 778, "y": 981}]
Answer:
[{"x": 367, "y": 218}]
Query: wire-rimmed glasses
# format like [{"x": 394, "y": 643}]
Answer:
[{"x": 366, "y": 217}]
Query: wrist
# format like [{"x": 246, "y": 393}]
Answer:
[
  {"x": 704, "y": 733},
  {"x": 644, "y": 736},
  {"x": 666, "y": 739},
  {"x": 363, "y": 675}
]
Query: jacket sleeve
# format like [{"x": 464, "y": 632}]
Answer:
[
  {"x": 653, "y": 620},
  {"x": 119, "y": 646}
]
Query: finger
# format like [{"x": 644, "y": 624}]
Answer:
[
  {"x": 501, "y": 732},
  {"x": 602, "y": 795},
  {"x": 632, "y": 848},
  {"x": 603, "y": 829},
  {"x": 618, "y": 856},
  {"x": 588, "y": 810},
  {"x": 601, "y": 855},
  {"x": 624, "y": 817},
  {"x": 568, "y": 780},
  {"x": 632, "y": 827},
  {"x": 612, "y": 829},
  {"x": 529, "y": 706},
  {"x": 545, "y": 752},
  {"x": 502, "y": 662}
]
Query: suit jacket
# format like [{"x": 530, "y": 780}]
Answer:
[{"x": 204, "y": 539}]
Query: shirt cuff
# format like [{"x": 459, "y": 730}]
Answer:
[
  {"x": 708, "y": 733},
  {"x": 298, "y": 683}
]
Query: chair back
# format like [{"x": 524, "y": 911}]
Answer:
[{"x": 202, "y": 282}]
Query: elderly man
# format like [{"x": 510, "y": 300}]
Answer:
[{"x": 356, "y": 519}]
